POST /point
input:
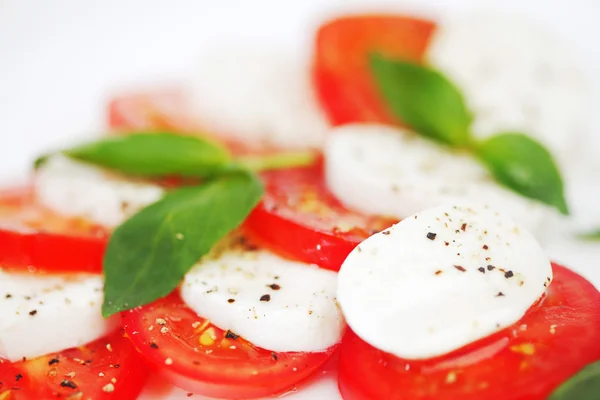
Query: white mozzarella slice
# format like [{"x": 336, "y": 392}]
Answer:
[
  {"x": 46, "y": 314},
  {"x": 276, "y": 304},
  {"x": 383, "y": 170},
  {"x": 77, "y": 189},
  {"x": 515, "y": 77},
  {"x": 441, "y": 279},
  {"x": 262, "y": 97}
]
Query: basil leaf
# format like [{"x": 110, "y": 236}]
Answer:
[
  {"x": 585, "y": 385},
  {"x": 525, "y": 166},
  {"x": 154, "y": 154},
  {"x": 593, "y": 235},
  {"x": 148, "y": 255},
  {"x": 424, "y": 99}
]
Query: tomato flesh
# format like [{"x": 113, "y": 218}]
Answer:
[
  {"x": 298, "y": 217},
  {"x": 553, "y": 341},
  {"x": 198, "y": 357},
  {"x": 341, "y": 74},
  {"x": 33, "y": 237},
  {"x": 108, "y": 368}
]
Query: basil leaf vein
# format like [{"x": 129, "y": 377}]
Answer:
[
  {"x": 148, "y": 255},
  {"x": 525, "y": 166},
  {"x": 154, "y": 154},
  {"x": 423, "y": 98}
]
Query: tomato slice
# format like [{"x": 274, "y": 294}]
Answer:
[
  {"x": 168, "y": 111},
  {"x": 161, "y": 109},
  {"x": 524, "y": 362},
  {"x": 341, "y": 77},
  {"x": 198, "y": 357},
  {"x": 298, "y": 217},
  {"x": 108, "y": 368},
  {"x": 35, "y": 238}
]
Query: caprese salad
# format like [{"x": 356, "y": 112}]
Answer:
[{"x": 236, "y": 263}]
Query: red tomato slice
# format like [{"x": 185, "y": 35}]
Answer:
[
  {"x": 201, "y": 358},
  {"x": 524, "y": 362},
  {"x": 148, "y": 111},
  {"x": 342, "y": 80},
  {"x": 108, "y": 368},
  {"x": 298, "y": 217},
  {"x": 167, "y": 110},
  {"x": 36, "y": 238}
]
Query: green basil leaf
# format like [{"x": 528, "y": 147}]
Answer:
[
  {"x": 154, "y": 154},
  {"x": 585, "y": 385},
  {"x": 593, "y": 235},
  {"x": 525, "y": 166},
  {"x": 148, "y": 255},
  {"x": 423, "y": 98}
]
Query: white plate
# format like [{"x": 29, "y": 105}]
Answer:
[{"x": 61, "y": 61}]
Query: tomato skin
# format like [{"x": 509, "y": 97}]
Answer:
[
  {"x": 527, "y": 361},
  {"x": 94, "y": 366},
  {"x": 341, "y": 74},
  {"x": 38, "y": 239},
  {"x": 298, "y": 217},
  {"x": 168, "y": 334}
]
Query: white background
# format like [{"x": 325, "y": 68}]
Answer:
[{"x": 61, "y": 60}]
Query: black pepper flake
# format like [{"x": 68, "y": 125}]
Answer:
[
  {"x": 231, "y": 335},
  {"x": 460, "y": 268},
  {"x": 69, "y": 384},
  {"x": 18, "y": 377},
  {"x": 491, "y": 267},
  {"x": 431, "y": 235},
  {"x": 508, "y": 274},
  {"x": 481, "y": 269},
  {"x": 154, "y": 345},
  {"x": 274, "y": 356},
  {"x": 274, "y": 286},
  {"x": 385, "y": 233},
  {"x": 447, "y": 243},
  {"x": 8, "y": 296},
  {"x": 275, "y": 277},
  {"x": 230, "y": 300},
  {"x": 53, "y": 361},
  {"x": 500, "y": 294},
  {"x": 439, "y": 271},
  {"x": 463, "y": 227},
  {"x": 32, "y": 312},
  {"x": 265, "y": 297},
  {"x": 485, "y": 247}
]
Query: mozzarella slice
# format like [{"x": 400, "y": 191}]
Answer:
[
  {"x": 261, "y": 97},
  {"x": 441, "y": 279},
  {"x": 46, "y": 314},
  {"x": 77, "y": 189},
  {"x": 516, "y": 77},
  {"x": 383, "y": 170},
  {"x": 276, "y": 304}
]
